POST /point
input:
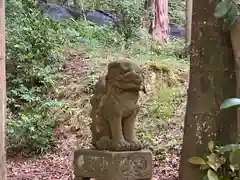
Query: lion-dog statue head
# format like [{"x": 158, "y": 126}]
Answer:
[{"x": 115, "y": 107}]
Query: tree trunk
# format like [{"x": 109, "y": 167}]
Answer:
[
  {"x": 212, "y": 80},
  {"x": 2, "y": 93},
  {"x": 148, "y": 17},
  {"x": 159, "y": 24},
  {"x": 235, "y": 36},
  {"x": 188, "y": 26}
]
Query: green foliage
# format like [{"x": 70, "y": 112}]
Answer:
[
  {"x": 215, "y": 166},
  {"x": 173, "y": 48},
  {"x": 129, "y": 12},
  {"x": 32, "y": 57},
  {"x": 30, "y": 132},
  {"x": 165, "y": 101},
  {"x": 83, "y": 32},
  {"x": 231, "y": 102},
  {"x": 228, "y": 10},
  {"x": 131, "y": 15},
  {"x": 197, "y": 160},
  {"x": 136, "y": 9},
  {"x": 33, "y": 43},
  {"x": 176, "y": 12},
  {"x": 132, "y": 12}
]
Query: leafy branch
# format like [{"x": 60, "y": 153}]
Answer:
[
  {"x": 228, "y": 10},
  {"x": 223, "y": 162}
]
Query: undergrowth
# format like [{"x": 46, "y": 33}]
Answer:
[
  {"x": 159, "y": 111},
  {"x": 165, "y": 101},
  {"x": 34, "y": 56},
  {"x": 161, "y": 105}
]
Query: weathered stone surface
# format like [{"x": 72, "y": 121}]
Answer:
[
  {"x": 115, "y": 107},
  {"x": 112, "y": 165}
]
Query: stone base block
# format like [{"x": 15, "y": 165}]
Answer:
[{"x": 109, "y": 165}]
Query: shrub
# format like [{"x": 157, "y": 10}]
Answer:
[
  {"x": 32, "y": 58},
  {"x": 33, "y": 43},
  {"x": 130, "y": 15},
  {"x": 129, "y": 12},
  {"x": 30, "y": 132}
]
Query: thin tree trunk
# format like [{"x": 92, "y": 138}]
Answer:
[
  {"x": 2, "y": 93},
  {"x": 160, "y": 27},
  {"x": 212, "y": 80},
  {"x": 148, "y": 16},
  {"x": 188, "y": 27}
]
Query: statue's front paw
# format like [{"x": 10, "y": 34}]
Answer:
[
  {"x": 136, "y": 145},
  {"x": 120, "y": 145}
]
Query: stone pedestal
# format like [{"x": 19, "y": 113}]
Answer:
[{"x": 109, "y": 165}]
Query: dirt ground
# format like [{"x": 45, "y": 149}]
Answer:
[{"x": 74, "y": 87}]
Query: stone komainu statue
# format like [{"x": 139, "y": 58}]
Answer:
[{"x": 115, "y": 106}]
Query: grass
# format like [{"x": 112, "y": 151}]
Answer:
[
  {"x": 160, "y": 106},
  {"x": 164, "y": 103}
]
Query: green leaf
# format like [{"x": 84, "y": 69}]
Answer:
[
  {"x": 32, "y": 129},
  {"x": 232, "y": 167},
  {"x": 204, "y": 167},
  {"x": 231, "y": 17},
  {"x": 222, "y": 8},
  {"x": 52, "y": 103},
  {"x": 196, "y": 160},
  {"x": 18, "y": 3},
  {"x": 212, "y": 175},
  {"x": 212, "y": 161},
  {"x": 228, "y": 148},
  {"x": 210, "y": 146},
  {"x": 30, "y": 54},
  {"x": 230, "y": 103}
]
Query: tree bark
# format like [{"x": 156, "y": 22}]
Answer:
[
  {"x": 212, "y": 80},
  {"x": 160, "y": 27},
  {"x": 2, "y": 93},
  {"x": 235, "y": 36},
  {"x": 148, "y": 16},
  {"x": 188, "y": 26}
]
